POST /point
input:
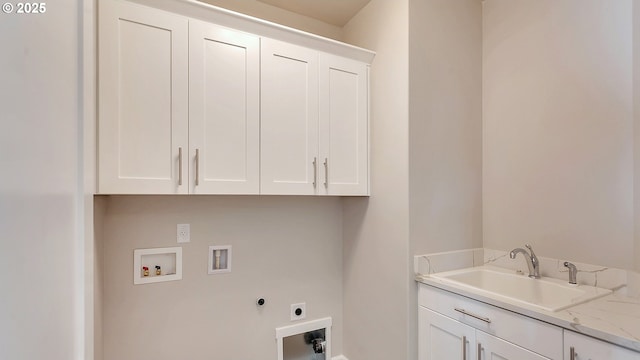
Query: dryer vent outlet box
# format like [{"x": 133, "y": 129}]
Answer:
[
  {"x": 305, "y": 341},
  {"x": 307, "y": 346}
]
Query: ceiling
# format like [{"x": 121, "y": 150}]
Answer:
[{"x": 335, "y": 12}]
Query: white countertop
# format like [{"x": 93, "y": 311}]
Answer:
[{"x": 614, "y": 318}]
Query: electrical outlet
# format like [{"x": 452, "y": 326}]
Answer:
[
  {"x": 298, "y": 311},
  {"x": 184, "y": 233}
]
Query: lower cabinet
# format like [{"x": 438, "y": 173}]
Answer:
[
  {"x": 491, "y": 347},
  {"x": 455, "y": 327},
  {"x": 580, "y": 347},
  {"x": 443, "y": 338}
]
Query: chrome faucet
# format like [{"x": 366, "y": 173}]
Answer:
[{"x": 531, "y": 258}]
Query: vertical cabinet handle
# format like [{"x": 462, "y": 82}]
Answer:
[
  {"x": 573, "y": 355},
  {"x": 464, "y": 348},
  {"x": 315, "y": 171},
  {"x": 326, "y": 172},
  {"x": 180, "y": 166},
  {"x": 197, "y": 167},
  {"x": 479, "y": 356}
]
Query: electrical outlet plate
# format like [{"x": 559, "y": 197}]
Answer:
[
  {"x": 184, "y": 233},
  {"x": 303, "y": 311}
]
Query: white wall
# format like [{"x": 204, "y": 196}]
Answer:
[
  {"x": 100, "y": 208},
  {"x": 636, "y": 123},
  {"x": 558, "y": 163},
  {"x": 377, "y": 277},
  {"x": 280, "y": 16},
  {"x": 41, "y": 211},
  {"x": 285, "y": 249},
  {"x": 445, "y": 131},
  {"x": 445, "y": 127}
]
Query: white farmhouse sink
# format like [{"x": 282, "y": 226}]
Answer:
[{"x": 544, "y": 293}]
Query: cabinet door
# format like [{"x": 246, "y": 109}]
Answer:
[
  {"x": 143, "y": 96},
  {"x": 289, "y": 119},
  {"x": 493, "y": 348},
  {"x": 224, "y": 110},
  {"x": 344, "y": 126},
  {"x": 442, "y": 338},
  {"x": 587, "y": 348}
]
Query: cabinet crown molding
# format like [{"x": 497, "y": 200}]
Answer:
[{"x": 227, "y": 18}]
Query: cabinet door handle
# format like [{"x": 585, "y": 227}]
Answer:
[
  {"x": 479, "y": 356},
  {"x": 481, "y": 318},
  {"x": 315, "y": 171},
  {"x": 573, "y": 355},
  {"x": 326, "y": 172},
  {"x": 197, "y": 167},
  {"x": 464, "y": 348},
  {"x": 180, "y": 166}
]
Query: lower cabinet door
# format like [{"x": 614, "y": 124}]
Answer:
[
  {"x": 581, "y": 347},
  {"x": 442, "y": 338},
  {"x": 492, "y": 348}
]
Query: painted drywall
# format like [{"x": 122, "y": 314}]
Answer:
[
  {"x": 558, "y": 141},
  {"x": 92, "y": 281},
  {"x": 285, "y": 249},
  {"x": 376, "y": 229},
  {"x": 41, "y": 202},
  {"x": 636, "y": 127},
  {"x": 280, "y": 16},
  {"x": 445, "y": 126},
  {"x": 445, "y": 131},
  {"x": 99, "y": 210}
]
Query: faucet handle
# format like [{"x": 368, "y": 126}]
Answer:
[{"x": 573, "y": 272}]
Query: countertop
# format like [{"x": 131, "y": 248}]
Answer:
[{"x": 614, "y": 318}]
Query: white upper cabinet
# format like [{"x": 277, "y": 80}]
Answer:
[
  {"x": 143, "y": 100},
  {"x": 344, "y": 126},
  {"x": 179, "y": 105},
  {"x": 189, "y": 107},
  {"x": 224, "y": 110},
  {"x": 314, "y": 122},
  {"x": 289, "y": 123}
]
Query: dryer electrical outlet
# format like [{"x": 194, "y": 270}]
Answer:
[{"x": 298, "y": 311}]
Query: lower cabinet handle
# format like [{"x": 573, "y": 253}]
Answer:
[
  {"x": 326, "y": 172},
  {"x": 197, "y": 167},
  {"x": 481, "y": 318},
  {"x": 479, "y": 356},
  {"x": 464, "y": 348},
  {"x": 180, "y": 166},
  {"x": 573, "y": 355},
  {"x": 315, "y": 171}
]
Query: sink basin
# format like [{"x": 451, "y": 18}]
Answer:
[{"x": 544, "y": 293}]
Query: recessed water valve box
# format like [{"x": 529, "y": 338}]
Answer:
[{"x": 157, "y": 265}]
